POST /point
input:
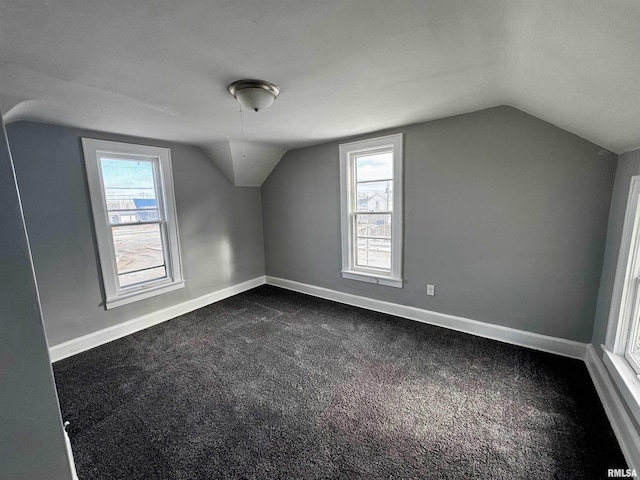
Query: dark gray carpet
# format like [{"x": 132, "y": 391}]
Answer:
[{"x": 274, "y": 384}]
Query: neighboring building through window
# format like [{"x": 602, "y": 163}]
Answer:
[
  {"x": 134, "y": 215},
  {"x": 371, "y": 202},
  {"x": 622, "y": 349}
]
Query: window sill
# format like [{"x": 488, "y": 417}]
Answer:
[
  {"x": 625, "y": 380},
  {"x": 371, "y": 278},
  {"x": 141, "y": 294}
]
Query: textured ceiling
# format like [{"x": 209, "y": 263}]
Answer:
[{"x": 159, "y": 68}]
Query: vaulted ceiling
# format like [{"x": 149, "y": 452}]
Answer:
[{"x": 160, "y": 68}]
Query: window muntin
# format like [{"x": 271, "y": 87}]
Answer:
[
  {"x": 371, "y": 180},
  {"x": 134, "y": 217}
]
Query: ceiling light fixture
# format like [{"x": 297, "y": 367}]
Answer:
[{"x": 254, "y": 95}]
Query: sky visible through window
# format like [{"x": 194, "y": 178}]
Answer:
[
  {"x": 127, "y": 176},
  {"x": 374, "y": 167}
]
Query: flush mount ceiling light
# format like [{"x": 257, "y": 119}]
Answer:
[{"x": 254, "y": 95}]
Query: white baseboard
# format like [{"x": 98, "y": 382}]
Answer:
[
  {"x": 560, "y": 346},
  {"x": 87, "y": 342},
  {"x": 618, "y": 417}
]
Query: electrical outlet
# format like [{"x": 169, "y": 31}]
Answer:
[{"x": 431, "y": 290}]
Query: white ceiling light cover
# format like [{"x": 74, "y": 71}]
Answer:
[
  {"x": 254, "y": 95},
  {"x": 255, "y": 99}
]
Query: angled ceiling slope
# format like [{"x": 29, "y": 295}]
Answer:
[
  {"x": 159, "y": 68},
  {"x": 246, "y": 164}
]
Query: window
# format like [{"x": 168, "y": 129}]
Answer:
[
  {"x": 622, "y": 349},
  {"x": 134, "y": 215},
  {"x": 371, "y": 202}
]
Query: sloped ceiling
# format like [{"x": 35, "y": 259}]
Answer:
[{"x": 159, "y": 68}]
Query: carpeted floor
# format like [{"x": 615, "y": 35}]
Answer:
[{"x": 275, "y": 384}]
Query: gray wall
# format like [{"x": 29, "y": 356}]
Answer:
[
  {"x": 504, "y": 213},
  {"x": 31, "y": 436},
  {"x": 220, "y": 228}
]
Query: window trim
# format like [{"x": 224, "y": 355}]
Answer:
[
  {"x": 348, "y": 202},
  {"x": 114, "y": 295},
  {"x": 624, "y": 302}
]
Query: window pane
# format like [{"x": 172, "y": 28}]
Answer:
[
  {"x": 374, "y": 167},
  {"x": 374, "y": 253},
  {"x": 362, "y": 252},
  {"x": 138, "y": 249},
  {"x": 375, "y": 196},
  {"x": 133, "y": 278},
  {"x": 369, "y": 225},
  {"x": 130, "y": 190},
  {"x": 125, "y": 216}
]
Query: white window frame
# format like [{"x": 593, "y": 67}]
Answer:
[
  {"x": 115, "y": 295},
  {"x": 625, "y": 302},
  {"x": 348, "y": 204}
]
